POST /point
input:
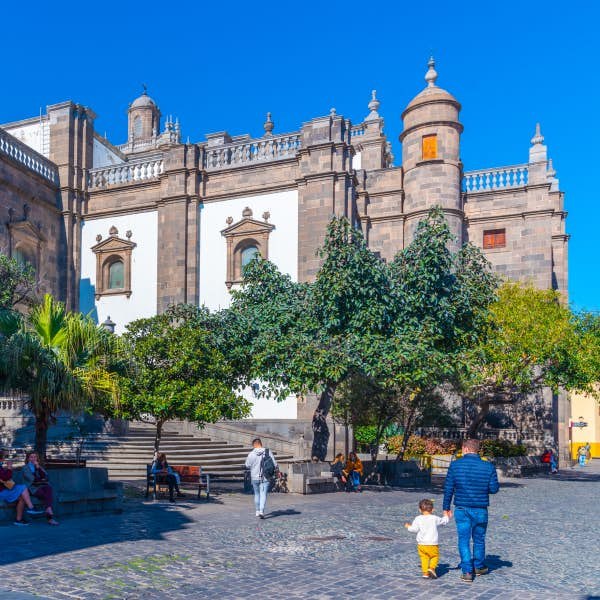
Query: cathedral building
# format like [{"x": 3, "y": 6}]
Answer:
[{"x": 123, "y": 230}]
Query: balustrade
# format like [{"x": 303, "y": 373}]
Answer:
[
  {"x": 12, "y": 147},
  {"x": 252, "y": 151},
  {"x": 357, "y": 130},
  {"x": 498, "y": 178},
  {"x": 128, "y": 172}
]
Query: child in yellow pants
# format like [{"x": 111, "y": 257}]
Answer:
[{"x": 425, "y": 526}]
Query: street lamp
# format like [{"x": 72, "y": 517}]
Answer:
[{"x": 109, "y": 325}]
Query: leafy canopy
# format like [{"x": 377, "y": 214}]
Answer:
[{"x": 177, "y": 371}]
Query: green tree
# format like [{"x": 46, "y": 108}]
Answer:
[
  {"x": 59, "y": 360},
  {"x": 396, "y": 325},
  {"x": 308, "y": 337},
  {"x": 176, "y": 371},
  {"x": 17, "y": 282},
  {"x": 529, "y": 340}
]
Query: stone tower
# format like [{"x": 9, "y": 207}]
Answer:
[
  {"x": 144, "y": 119},
  {"x": 431, "y": 157}
]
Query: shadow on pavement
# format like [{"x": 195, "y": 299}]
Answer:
[
  {"x": 282, "y": 513},
  {"x": 148, "y": 522},
  {"x": 494, "y": 562}
]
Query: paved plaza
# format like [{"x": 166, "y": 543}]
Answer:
[{"x": 543, "y": 542}]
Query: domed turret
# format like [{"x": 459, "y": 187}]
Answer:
[
  {"x": 144, "y": 118},
  {"x": 431, "y": 156}
]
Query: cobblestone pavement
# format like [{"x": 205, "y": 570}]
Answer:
[{"x": 543, "y": 542}]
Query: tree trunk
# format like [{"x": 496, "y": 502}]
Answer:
[
  {"x": 319, "y": 424},
  {"x": 407, "y": 431},
  {"x": 42, "y": 419},
  {"x": 159, "y": 426},
  {"x": 477, "y": 422}
]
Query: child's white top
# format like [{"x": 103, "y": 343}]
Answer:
[{"x": 425, "y": 526}]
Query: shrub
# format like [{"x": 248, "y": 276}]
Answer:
[
  {"x": 365, "y": 437},
  {"x": 502, "y": 449},
  {"x": 419, "y": 446}
]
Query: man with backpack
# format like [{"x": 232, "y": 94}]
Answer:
[{"x": 262, "y": 465}]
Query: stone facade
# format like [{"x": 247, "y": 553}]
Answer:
[{"x": 329, "y": 167}]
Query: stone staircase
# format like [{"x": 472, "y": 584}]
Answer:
[{"x": 126, "y": 457}]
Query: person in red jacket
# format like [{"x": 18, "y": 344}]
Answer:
[{"x": 13, "y": 492}]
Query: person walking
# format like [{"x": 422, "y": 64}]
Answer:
[
  {"x": 262, "y": 465},
  {"x": 470, "y": 481}
]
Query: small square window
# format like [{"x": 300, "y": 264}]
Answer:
[
  {"x": 494, "y": 238},
  {"x": 430, "y": 149}
]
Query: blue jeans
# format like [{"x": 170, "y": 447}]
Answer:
[
  {"x": 471, "y": 523},
  {"x": 260, "y": 494}
]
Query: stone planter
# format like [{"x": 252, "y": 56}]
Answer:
[{"x": 440, "y": 463}]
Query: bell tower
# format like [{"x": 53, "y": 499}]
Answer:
[
  {"x": 431, "y": 157},
  {"x": 143, "y": 119}
]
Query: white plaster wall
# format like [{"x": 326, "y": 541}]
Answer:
[
  {"x": 283, "y": 240},
  {"x": 144, "y": 260},
  {"x": 104, "y": 156},
  {"x": 35, "y": 135},
  {"x": 268, "y": 408},
  {"x": 356, "y": 161},
  {"x": 283, "y": 251}
]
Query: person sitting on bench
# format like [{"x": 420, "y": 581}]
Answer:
[
  {"x": 354, "y": 471},
  {"x": 36, "y": 480},
  {"x": 164, "y": 473},
  {"x": 14, "y": 492}
]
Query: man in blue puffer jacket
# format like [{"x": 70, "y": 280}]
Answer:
[{"x": 470, "y": 480}]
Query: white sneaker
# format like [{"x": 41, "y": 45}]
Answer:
[
  {"x": 261, "y": 515},
  {"x": 258, "y": 513}
]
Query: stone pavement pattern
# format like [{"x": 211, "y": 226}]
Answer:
[{"x": 543, "y": 543}]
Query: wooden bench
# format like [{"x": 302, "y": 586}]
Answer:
[
  {"x": 61, "y": 463},
  {"x": 187, "y": 474}
]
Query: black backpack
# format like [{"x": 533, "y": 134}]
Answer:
[{"x": 267, "y": 465}]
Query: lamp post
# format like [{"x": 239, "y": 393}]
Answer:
[{"x": 109, "y": 325}]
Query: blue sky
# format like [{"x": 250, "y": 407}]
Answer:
[{"x": 222, "y": 66}]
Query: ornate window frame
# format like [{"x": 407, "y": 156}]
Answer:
[
  {"x": 24, "y": 234},
  {"x": 107, "y": 252},
  {"x": 239, "y": 236}
]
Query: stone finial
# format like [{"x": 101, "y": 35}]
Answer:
[
  {"x": 98, "y": 238},
  {"x": 247, "y": 212},
  {"x": 551, "y": 172},
  {"x": 538, "y": 138},
  {"x": 144, "y": 93},
  {"x": 229, "y": 220},
  {"x": 113, "y": 231},
  {"x": 266, "y": 215},
  {"x": 269, "y": 125},
  {"x": 389, "y": 154},
  {"x": 431, "y": 75},
  {"x": 128, "y": 234},
  {"x": 373, "y": 107},
  {"x": 332, "y": 112}
]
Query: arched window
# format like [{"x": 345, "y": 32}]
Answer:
[
  {"x": 24, "y": 256},
  {"x": 116, "y": 275},
  {"x": 248, "y": 254},
  {"x": 137, "y": 127}
]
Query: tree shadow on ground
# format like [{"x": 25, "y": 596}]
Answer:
[
  {"x": 282, "y": 513},
  {"x": 149, "y": 521}
]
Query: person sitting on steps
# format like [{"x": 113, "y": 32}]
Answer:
[
  {"x": 337, "y": 470},
  {"x": 36, "y": 480},
  {"x": 354, "y": 471},
  {"x": 13, "y": 492},
  {"x": 164, "y": 473}
]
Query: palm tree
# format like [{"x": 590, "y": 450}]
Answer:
[{"x": 59, "y": 360}]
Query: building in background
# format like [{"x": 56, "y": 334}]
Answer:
[{"x": 125, "y": 230}]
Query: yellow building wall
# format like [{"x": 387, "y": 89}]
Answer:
[{"x": 587, "y": 409}]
